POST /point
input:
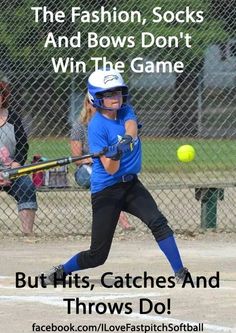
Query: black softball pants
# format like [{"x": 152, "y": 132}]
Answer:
[{"x": 131, "y": 197}]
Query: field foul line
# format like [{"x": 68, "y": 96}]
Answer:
[
  {"x": 49, "y": 300},
  {"x": 12, "y": 278},
  {"x": 86, "y": 296}
]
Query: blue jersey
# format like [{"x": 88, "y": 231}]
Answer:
[{"x": 103, "y": 132}]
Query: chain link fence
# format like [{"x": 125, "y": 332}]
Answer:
[{"x": 197, "y": 106}]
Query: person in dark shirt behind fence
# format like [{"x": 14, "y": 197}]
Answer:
[{"x": 13, "y": 153}]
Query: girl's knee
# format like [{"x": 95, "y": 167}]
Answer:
[
  {"x": 160, "y": 228},
  {"x": 90, "y": 259},
  {"x": 98, "y": 260},
  {"x": 25, "y": 193},
  {"x": 27, "y": 186}
]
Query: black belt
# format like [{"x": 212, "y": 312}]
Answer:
[{"x": 127, "y": 178}]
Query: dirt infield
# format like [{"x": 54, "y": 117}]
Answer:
[{"x": 214, "y": 307}]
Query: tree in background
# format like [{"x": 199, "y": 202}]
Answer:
[{"x": 24, "y": 56}]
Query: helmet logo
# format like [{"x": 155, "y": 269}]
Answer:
[{"x": 108, "y": 78}]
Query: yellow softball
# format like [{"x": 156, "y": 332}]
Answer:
[{"x": 186, "y": 153}]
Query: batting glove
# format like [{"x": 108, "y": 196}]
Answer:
[
  {"x": 113, "y": 153},
  {"x": 126, "y": 144}
]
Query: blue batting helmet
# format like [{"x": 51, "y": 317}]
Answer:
[{"x": 103, "y": 80}]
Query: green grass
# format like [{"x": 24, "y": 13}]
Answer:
[
  {"x": 49, "y": 147},
  {"x": 159, "y": 155}
]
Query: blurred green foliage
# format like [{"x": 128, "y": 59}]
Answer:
[{"x": 23, "y": 40}]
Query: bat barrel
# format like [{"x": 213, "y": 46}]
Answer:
[{"x": 33, "y": 168}]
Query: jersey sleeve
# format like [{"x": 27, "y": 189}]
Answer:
[
  {"x": 127, "y": 113},
  {"x": 22, "y": 147}
]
